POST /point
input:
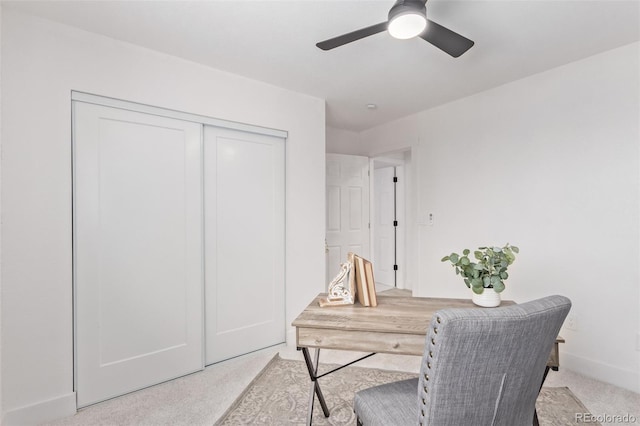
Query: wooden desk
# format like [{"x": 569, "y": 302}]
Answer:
[{"x": 398, "y": 325}]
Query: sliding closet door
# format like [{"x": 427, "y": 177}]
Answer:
[
  {"x": 138, "y": 250},
  {"x": 244, "y": 242}
]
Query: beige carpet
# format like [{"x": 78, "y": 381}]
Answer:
[{"x": 279, "y": 396}]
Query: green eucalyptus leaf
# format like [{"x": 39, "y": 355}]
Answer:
[
  {"x": 490, "y": 269},
  {"x": 498, "y": 287}
]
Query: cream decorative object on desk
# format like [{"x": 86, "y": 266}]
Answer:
[
  {"x": 355, "y": 278},
  {"x": 342, "y": 289}
]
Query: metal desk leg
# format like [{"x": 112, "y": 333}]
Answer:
[{"x": 314, "y": 389}]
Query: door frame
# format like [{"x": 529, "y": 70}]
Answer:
[{"x": 179, "y": 115}]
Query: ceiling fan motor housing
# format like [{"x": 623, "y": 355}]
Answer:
[{"x": 403, "y": 7}]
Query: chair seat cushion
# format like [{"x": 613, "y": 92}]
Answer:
[{"x": 389, "y": 404}]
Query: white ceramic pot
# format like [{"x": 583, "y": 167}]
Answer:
[{"x": 487, "y": 299}]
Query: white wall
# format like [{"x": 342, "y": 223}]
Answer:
[
  {"x": 549, "y": 163},
  {"x": 1, "y": 410},
  {"x": 340, "y": 141},
  {"x": 42, "y": 62}
]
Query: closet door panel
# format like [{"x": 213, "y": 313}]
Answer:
[
  {"x": 138, "y": 250},
  {"x": 244, "y": 242}
]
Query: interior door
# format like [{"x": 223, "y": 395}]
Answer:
[
  {"x": 137, "y": 250},
  {"x": 347, "y": 201},
  {"x": 244, "y": 242},
  {"x": 384, "y": 233}
]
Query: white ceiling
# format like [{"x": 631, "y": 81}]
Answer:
[{"x": 274, "y": 41}]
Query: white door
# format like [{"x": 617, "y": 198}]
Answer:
[
  {"x": 383, "y": 228},
  {"x": 244, "y": 242},
  {"x": 137, "y": 250},
  {"x": 347, "y": 201}
]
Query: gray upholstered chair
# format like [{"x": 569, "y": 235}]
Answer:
[{"x": 480, "y": 366}]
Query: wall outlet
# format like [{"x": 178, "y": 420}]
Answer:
[{"x": 571, "y": 323}]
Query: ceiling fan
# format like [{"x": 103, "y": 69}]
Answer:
[{"x": 407, "y": 19}]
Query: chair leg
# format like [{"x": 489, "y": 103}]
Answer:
[{"x": 535, "y": 412}]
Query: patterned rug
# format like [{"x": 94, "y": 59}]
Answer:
[{"x": 279, "y": 396}]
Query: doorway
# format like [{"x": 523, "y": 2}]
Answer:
[
  {"x": 366, "y": 214},
  {"x": 388, "y": 219}
]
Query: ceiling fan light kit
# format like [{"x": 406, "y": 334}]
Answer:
[{"x": 407, "y": 19}]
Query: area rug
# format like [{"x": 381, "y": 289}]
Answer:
[{"x": 279, "y": 396}]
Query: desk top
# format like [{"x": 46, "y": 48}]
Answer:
[{"x": 394, "y": 314}]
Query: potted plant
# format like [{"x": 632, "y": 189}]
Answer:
[{"x": 486, "y": 276}]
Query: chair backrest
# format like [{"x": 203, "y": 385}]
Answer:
[{"x": 485, "y": 366}]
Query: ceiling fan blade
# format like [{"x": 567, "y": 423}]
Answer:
[
  {"x": 446, "y": 40},
  {"x": 332, "y": 43}
]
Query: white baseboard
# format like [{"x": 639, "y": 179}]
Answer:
[
  {"x": 41, "y": 412},
  {"x": 616, "y": 376}
]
